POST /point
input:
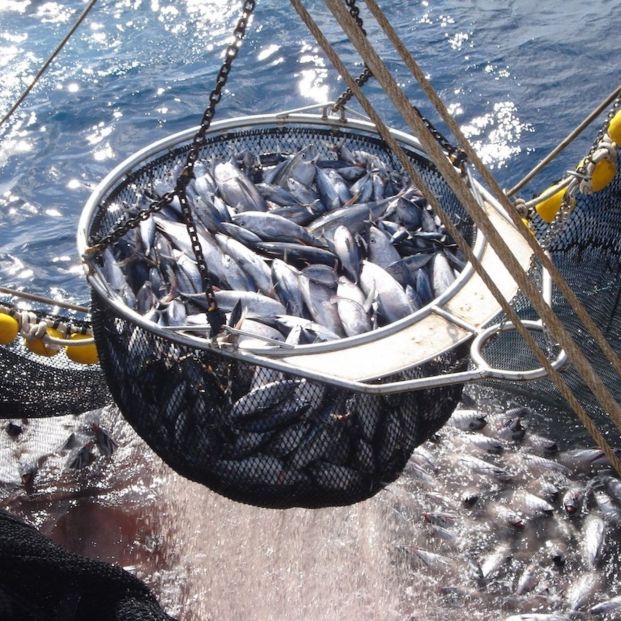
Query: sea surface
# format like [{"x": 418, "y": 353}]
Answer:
[{"x": 517, "y": 75}]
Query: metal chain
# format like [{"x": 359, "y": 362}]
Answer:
[
  {"x": 97, "y": 246},
  {"x": 569, "y": 200},
  {"x": 581, "y": 170},
  {"x": 456, "y": 155},
  {"x": 364, "y": 77},
  {"x": 215, "y": 317}
]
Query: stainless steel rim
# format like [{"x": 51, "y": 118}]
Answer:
[{"x": 150, "y": 152}]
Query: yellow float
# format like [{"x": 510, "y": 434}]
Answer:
[
  {"x": 9, "y": 328},
  {"x": 614, "y": 129},
  {"x": 82, "y": 354},
  {"x": 603, "y": 173},
  {"x": 548, "y": 208},
  {"x": 38, "y": 346}
]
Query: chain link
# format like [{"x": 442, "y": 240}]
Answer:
[
  {"x": 457, "y": 156},
  {"x": 569, "y": 200},
  {"x": 364, "y": 77}
]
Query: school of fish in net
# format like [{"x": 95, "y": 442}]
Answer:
[
  {"x": 509, "y": 517},
  {"x": 490, "y": 516}
]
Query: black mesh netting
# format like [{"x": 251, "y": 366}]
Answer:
[
  {"x": 304, "y": 443},
  {"x": 41, "y": 581},
  {"x": 35, "y": 386},
  {"x": 587, "y": 251},
  {"x": 252, "y": 433}
]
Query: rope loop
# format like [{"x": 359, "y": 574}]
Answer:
[{"x": 604, "y": 150}]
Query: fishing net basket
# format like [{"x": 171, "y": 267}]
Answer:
[{"x": 177, "y": 389}]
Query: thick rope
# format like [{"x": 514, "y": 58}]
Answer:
[
  {"x": 35, "y": 327},
  {"x": 566, "y": 141},
  {"x": 383, "y": 130},
  {"x": 48, "y": 62},
  {"x": 34, "y": 297},
  {"x": 500, "y": 196}
]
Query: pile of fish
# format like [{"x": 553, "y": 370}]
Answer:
[
  {"x": 310, "y": 247},
  {"x": 509, "y": 521},
  {"x": 319, "y": 244},
  {"x": 263, "y": 435}
]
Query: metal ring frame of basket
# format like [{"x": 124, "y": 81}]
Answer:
[
  {"x": 364, "y": 402},
  {"x": 452, "y": 318}
]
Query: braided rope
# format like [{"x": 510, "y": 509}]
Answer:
[
  {"x": 48, "y": 62},
  {"x": 605, "y": 149},
  {"x": 33, "y": 327}
]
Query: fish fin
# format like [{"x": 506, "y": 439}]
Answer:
[{"x": 237, "y": 315}]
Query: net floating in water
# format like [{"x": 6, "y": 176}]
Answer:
[{"x": 294, "y": 424}]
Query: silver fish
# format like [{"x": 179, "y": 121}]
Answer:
[
  {"x": 583, "y": 590},
  {"x": 330, "y": 197},
  {"x": 323, "y": 274},
  {"x": 442, "y": 274},
  {"x": 263, "y": 398},
  {"x": 528, "y": 579},
  {"x": 573, "y": 499},
  {"x": 271, "y": 227},
  {"x": 249, "y": 261},
  {"x": 610, "y": 511},
  {"x": 236, "y": 189},
  {"x": 432, "y": 559},
  {"x": 531, "y": 505},
  {"x": 486, "y": 444},
  {"x": 467, "y": 420},
  {"x": 594, "y": 531},
  {"x": 286, "y": 285},
  {"x": 348, "y": 253},
  {"x": 494, "y": 562},
  {"x": 392, "y": 301},
  {"x": 353, "y": 316},
  {"x": 485, "y": 468},
  {"x": 321, "y": 304},
  {"x": 606, "y": 607},
  {"x": 253, "y": 304},
  {"x": 381, "y": 251},
  {"x": 300, "y": 166},
  {"x": 353, "y": 218}
]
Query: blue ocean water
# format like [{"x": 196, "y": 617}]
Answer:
[{"x": 517, "y": 75}]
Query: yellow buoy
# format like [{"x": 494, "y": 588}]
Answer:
[
  {"x": 83, "y": 354},
  {"x": 549, "y": 207},
  {"x": 9, "y": 327},
  {"x": 37, "y": 346},
  {"x": 614, "y": 129},
  {"x": 603, "y": 173}
]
